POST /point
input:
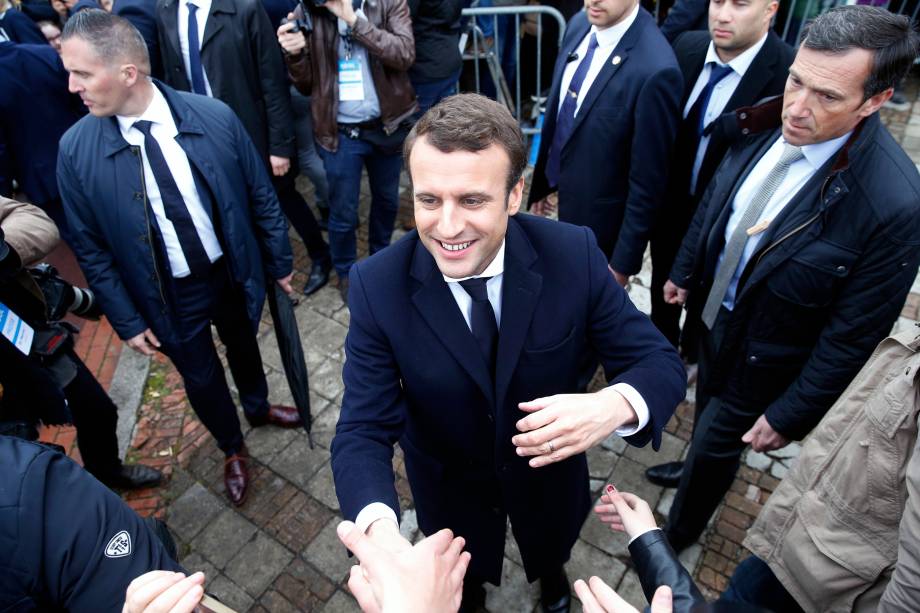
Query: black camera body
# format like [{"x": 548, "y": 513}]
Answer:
[
  {"x": 61, "y": 297},
  {"x": 303, "y": 20}
]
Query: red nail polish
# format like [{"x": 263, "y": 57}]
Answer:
[{"x": 611, "y": 489}]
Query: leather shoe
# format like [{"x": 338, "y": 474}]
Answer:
[
  {"x": 236, "y": 476},
  {"x": 319, "y": 276},
  {"x": 555, "y": 594},
  {"x": 277, "y": 415},
  {"x": 665, "y": 475},
  {"x": 133, "y": 477}
]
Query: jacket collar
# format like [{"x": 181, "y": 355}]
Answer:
[
  {"x": 520, "y": 288},
  {"x": 186, "y": 121}
]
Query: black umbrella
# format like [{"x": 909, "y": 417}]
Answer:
[{"x": 295, "y": 366}]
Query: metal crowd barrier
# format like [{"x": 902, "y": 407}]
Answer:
[{"x": 476, "y": 48}]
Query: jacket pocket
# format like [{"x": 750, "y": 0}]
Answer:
[
  {"x": 830, "y": 557},
  {"x": 811, "y": 276},
  {"x": 551, "y": 346}
]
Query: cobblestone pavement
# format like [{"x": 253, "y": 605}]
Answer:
[{"x": 279, "y": 551}]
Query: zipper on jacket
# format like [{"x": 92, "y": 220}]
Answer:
[
  {"x": 797, "y": 229},
  {"x": 156, "y": 269}
]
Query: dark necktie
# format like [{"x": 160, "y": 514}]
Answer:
[
  {"x": 482, "y": 320},
  {"x": 194, "y": 52},
  {"x": 565, "y": 121},
  {"x": 176, "y": 211}
]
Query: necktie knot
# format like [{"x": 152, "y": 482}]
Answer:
[
  {"x": 143, "y": 126},
  {"x": 719, "y": 72},
  {"x": 592, "y": 42},
  {"x": 790, "y": 154},
  {"x": 476, "y": 288},
  {"x": 192, "y": 7}
]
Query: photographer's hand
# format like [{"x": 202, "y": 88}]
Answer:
[
  {"x": 293, "y": 43},
  {"x": 146, "y": 342},
  {"x": 343, "y": 10}
]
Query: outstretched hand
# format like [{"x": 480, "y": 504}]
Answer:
[
  {"x": 425, "y": 578},
  {"x": 598, "y": 597},
  {"x": 625, "y": 512}
]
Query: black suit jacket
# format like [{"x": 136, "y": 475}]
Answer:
[
  {"x": 826, "y": 283},
  {"x": 242, "y": 60},
  {"x": 414, "y": 373},
  {"x": 612, "y": 176},
  {"x": 765, "y": 77}
]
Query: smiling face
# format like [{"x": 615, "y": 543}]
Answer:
[
  {"x": 606, "y": 13},
  {"x": 103, "y": 87},
  {"x": 462, "y": 205},
  {"x": 735, "y": 25},
  {"x": 824, "y": 96}
]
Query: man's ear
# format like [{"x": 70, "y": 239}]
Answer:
[
  {"x": 874, "y": 103},
  {"x": 129, "y": 73},
  {"x": 515, "y": 197}
]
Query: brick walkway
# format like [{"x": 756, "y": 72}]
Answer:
[{"x": 279, "y": 551}]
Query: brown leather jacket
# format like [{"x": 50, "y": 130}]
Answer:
[{"x": 387, "y": 36}]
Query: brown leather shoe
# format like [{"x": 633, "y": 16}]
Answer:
[
  {"x": 236, "y": 476},
  {"x": 278, "y": 415}
]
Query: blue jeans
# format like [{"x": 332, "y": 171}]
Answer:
[
  {"x": 343, "y": 171},
  {"x": 307, "y": 159},
  {"x": 431, "y": 92},
  {"x": 754, "y": 584}
]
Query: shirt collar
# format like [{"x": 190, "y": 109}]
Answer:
[
  {"x": 609, "y": 37},
  {"x": 818, "y": 154},
  {"x": 742, "y": 62},
  {"x": 495, "y": 267},
  {"x": 157, "y": 112}
]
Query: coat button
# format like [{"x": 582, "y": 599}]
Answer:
[
  {"x": 752, "y": 359},
  {"x": 138, "y": 196},
  {"x": 745, "y": 131},
  {"x": 490, "y": 418},
  {"x": 743, "y": 115},
  {"x": 841, "y": 268}
]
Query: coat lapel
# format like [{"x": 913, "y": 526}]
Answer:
[
  {"x": 215, "y": 23},
  {"x": 612, "y": 66},
  {"x": 758, "y": 74},
  {"x": 436, "y": 305},
  {"x": 169, "y": 16},
  {"x": 520, "y": 291}
]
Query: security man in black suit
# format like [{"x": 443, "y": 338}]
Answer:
[{"x": 738, "y": 62}]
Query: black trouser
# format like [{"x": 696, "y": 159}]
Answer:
[
  {"x": 198, "y": 303},
  {"x": 665, "y": 245},
  {"x": 715, "y": 451},
  {"x": 95, "y": 417},
  {"x": 301, "y": 217}
]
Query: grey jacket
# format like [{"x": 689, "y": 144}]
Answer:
[{"x": 842, "y": 531}]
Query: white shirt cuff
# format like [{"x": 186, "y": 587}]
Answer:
[
  {"x": 373, "y": 512},
  {"x": 638, "y": 405},
  {"x": 640, "y": 534}
]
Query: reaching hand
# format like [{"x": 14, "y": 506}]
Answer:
[
  {"x": 563, "y": 425},
  {"x": 280, "y": 165},
  {"x": 163, "y": 591},
  {"x": 763, "y": 437},
  {"x": 598, "y": 597},
  {"x": 343, "y": 10},
  {"x": 625, "y": 512},
  {"x": 425, "y": 578},
  {"x": 146, "y": 342}
]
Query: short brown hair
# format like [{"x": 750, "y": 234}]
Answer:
[{"x": 471, "y": 122}]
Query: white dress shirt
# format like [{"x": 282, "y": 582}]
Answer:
[
  {"x": 165, "y": 132},
  {"x": 496, "y": 270},
  {"x": 797, "y": 176},
  {"x": 607, "y": 40},
  {"x": 721, "y": 94},
  {"x": 201, "y": 16}
]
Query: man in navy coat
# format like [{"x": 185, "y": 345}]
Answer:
[
  {"x": 175, "y": 224},
  {"x": 464, "y": 346},
  {"x": 611, "y": 119}
]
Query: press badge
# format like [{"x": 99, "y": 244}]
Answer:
[
  {"x": 351, "y": 81},
  {"x": 15, "y": 330}
]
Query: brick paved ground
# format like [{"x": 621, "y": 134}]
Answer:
[{"x": 279, "y": 551}]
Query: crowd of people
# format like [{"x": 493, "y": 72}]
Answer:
[{"x": 161, "y": 140}]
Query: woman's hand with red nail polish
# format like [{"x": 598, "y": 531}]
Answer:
[{"x": 625, "y": 512}]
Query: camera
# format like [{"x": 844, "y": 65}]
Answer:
[
  {"x": 61, "y": 297},
  {"x": 303, "y": 21}
]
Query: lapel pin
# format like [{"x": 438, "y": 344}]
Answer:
[{"x": 616, "y": 60}]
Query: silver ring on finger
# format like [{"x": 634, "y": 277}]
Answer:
[{"x": 552, "y": 448}]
